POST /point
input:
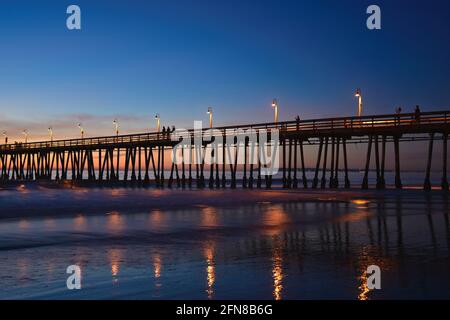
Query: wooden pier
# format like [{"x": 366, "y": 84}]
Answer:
[{"x": 140, "y": 159}]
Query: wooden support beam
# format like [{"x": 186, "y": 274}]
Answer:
[
  {"x": 398, "y": 181},
  {"x": 427, "y": 182},
  {"x": 158, "y": 180},
  {"x": 22, "y": 158},
  {"x": 202, "y": 166},
  {"x": 152, "y": 158},
  {"x": 302, "y": 157},
  {"x": 72, "y": 164},
  {"x": 263, "y": 162},
  {"x": 324, "y": 168},
  {"x": 30, "y": 167},
  {"x": 211, "y": 169},
  {"x": 78, "y": 164},
  {"x": 162, "y": 167},
  {"x": 234, "y": 165},
  {"x": 25, "y": 166},
  {"x": 333, "y": 145},
  {"x": 336, "y": 167},
  {"x": 65, "y": 165},
  {"x": 139, "y": 150},
  {"x": 365, "y": 183},
  {"x": 444, "y": 184},
  {"x": 224, "y": 179},
  {"x": 83, "y": 163},
  {"x": 107, "y": 160},
  {"x": 111, "y": 161},
  {"x": 383, "y": 161},
  {"x": 146, "y": 165},
  {"x": 283, "y": 141},
  {"x": 216, "y": 160},
  {"x": 295, "y": 181},
  {"x": 91, "y": 155},
  {"x": 100, "y": 171},
  {"x": 289, "y": 176},
  {"x": 177, "y": 175},
  {"x": 250, "y": 179},
  {"x": 117, "y": 175},
  {"x": 197, "y": 169},
  {"x": 133, "y": 152},
  {"x": 11, "y": 157},
  {"x": 174, "y": 161},
  {"x": 190, "y": 166},
  {"x": 377, "y": 163},
  {"x": 57, "y": 166},
  {"x": 259, "y": 151},
  {"x": 126, "y": 164},
  {"x": 346, "y": 178},
  {"x": 197, "y": 163},
  {"x": 183, "y": 174},
  {"x": 169, "y": 183},
  {"x": 38, "y": 166},
  {"x": 244, "y": 178},
  {"x": 61, "y": 160},
  {"x": 2, "y": 166}
]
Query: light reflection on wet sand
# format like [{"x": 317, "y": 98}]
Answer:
[
  {"x": 157, "y": 265},
  {"x": 79, "y": 223},
  {"x": 156, "y": 218},
  {"x": 277, "y": 269},
  {"x": 210, "y": 268},
  {"x": 370, "y": 255},
  {"x": 114, "y": 257},
  {"x": 115, "y": 221},
  {"x": 209, "y": 217},
  {"x": 280, "y": 251}
]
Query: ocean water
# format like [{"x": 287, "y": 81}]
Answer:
[{"x": 235, "y": 244}]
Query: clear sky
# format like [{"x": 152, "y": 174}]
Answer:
[{"x": 135, "y": 58}]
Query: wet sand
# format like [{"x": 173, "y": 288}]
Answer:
[
  {"x": 36, "y": 200},
  {"x": 223, "y": 244}
]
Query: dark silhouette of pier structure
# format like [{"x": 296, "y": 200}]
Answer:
[{"x": 141, "y": 157}]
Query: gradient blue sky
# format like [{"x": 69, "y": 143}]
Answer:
[{"x": 135, "y": 58}]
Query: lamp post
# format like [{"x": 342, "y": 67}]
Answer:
[
  {"x": 359, "y": 96},
  {"x": 50, "y": 131},
  {"x": 275, "y": 108},
  {"x": 6, "y": 136},
  {"x": 25, "y": 133},
  {"x": 81, "y": 130},
  {"x": 116, "y": 126},
  {"x": 210, "y": 117},
  {"x": 158, "y": 122}
]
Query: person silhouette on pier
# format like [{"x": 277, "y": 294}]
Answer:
[
  {"x": 417, "y": 114},
  {"x": 297, "y": 119},
  {"x": 397, "y": 114}
]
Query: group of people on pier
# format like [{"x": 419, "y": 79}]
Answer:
[
  {"x": 417, "y": 113},
  {"x": 167, "y": 131}
]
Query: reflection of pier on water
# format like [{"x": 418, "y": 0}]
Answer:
[
  {"x": 286, "y": 239},
  {"x": 290, "y": 242},
  {"x": 383, "y": 224}
]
